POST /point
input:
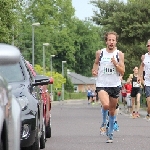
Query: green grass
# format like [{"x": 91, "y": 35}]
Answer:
[
  {"x": 75, "y": 96},
  {"x": 69, "y": 95}
]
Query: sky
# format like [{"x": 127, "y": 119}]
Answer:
[{"x": 84, "y": 8}]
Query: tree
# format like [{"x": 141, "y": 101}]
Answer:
[
  {"x": 70, "y": 39},
  {"x": 8, "y": 19},
  {"x": 68, "y": 85},
  {"x": 87, "y": 42},
  {"x": 56, "y": 28}
]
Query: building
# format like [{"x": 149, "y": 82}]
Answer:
[{"x": 81, "y": 83}]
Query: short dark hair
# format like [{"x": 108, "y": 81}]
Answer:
[{"x": 111, "y": 32}]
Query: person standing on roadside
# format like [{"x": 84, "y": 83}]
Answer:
[
  {"x": 124, "y": 94},
  {"x": 108, "y": 66},
  {"x": 128, "y": 87},
  {"x": 89, "y": 91},
  {"x": 59, "y": 95}
]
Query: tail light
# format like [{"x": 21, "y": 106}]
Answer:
[{"x": 51, "y": 80}]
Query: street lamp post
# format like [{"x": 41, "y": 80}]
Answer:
[
  {"x": 63, "y": 76},
  {"x": 44, "y": 44},
  {"x": 51, "y": 75},
  {"x": 33, "y": 25}
]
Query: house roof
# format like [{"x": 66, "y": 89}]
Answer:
[{"x": 79, "y": 79}]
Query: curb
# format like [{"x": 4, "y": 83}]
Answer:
[{"x": 69, "y": 100}]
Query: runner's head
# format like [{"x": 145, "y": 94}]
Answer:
[
  {"x": 135, "y": 70},
  {"x": 111, "y": 39}
]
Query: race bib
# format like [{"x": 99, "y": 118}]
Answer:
[
  {"x": 135, "y": 84},
  {"x": 109, "y": 70}
]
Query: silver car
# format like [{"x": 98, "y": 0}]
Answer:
[{"x": 10, "y": 109}]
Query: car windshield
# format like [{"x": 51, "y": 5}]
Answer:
[{"x": 12, "y": 73}]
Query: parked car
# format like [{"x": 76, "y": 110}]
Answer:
[
  {"x": 46, "y": 109},
  {"x": 25, "y": 87},
  {"x": 10, "y": 110},
  {"x": 45, "y": 96}
]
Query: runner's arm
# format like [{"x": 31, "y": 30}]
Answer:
[
  {"x": 96, "y": 63},
  {"x": 141, "y": 69},
  {"x": 120, "y": 67}
]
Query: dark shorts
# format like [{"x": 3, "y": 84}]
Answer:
[
  {"x": 147, "y": 91},
  {"x": 91, "y": 97},
  {"x": 112, "y": 91},
  {"x": 88, "y": 97},
  {"x": 135, "y": 91}
]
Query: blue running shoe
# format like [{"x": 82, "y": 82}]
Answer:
[{"x": 116, "y": 127}]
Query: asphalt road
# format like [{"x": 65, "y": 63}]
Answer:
[{"x": 75, "y": 126}]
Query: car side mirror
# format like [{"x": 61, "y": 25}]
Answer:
[{"x": 41, "y": 80}]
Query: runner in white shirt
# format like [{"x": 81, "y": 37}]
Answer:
[
  {"x": 145, "y": 66},
  {"x": 108, "y": 66}
]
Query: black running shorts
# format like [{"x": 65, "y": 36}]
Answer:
[
  {"x": 112, "y": 91},
  {"x": 135, "y": 91}
]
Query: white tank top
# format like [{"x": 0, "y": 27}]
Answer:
[
  {"x": 107, "y": 74},
  {"x": 146, "y": 62}
]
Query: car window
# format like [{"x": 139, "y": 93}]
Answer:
[{"x": 12, "y": 73}]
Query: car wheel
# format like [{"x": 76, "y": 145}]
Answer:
[
  {"x": 42, "y": 139},
  {"x": 36, "y": 145},
  {"x": 48, "y": 129}
]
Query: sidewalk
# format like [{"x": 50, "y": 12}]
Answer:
[{"x": 142, "y": 110}]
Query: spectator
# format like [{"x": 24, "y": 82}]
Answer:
[
  {"x": 93, "y": 96},
  {"x": 124, "y": 94},
  {"x": 59, "y": 95},
  {"x": 89, "y": 94},
  {"x": 128, "y": 87}
]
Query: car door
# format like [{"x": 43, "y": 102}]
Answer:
[{"x": 36, "y": 93}]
